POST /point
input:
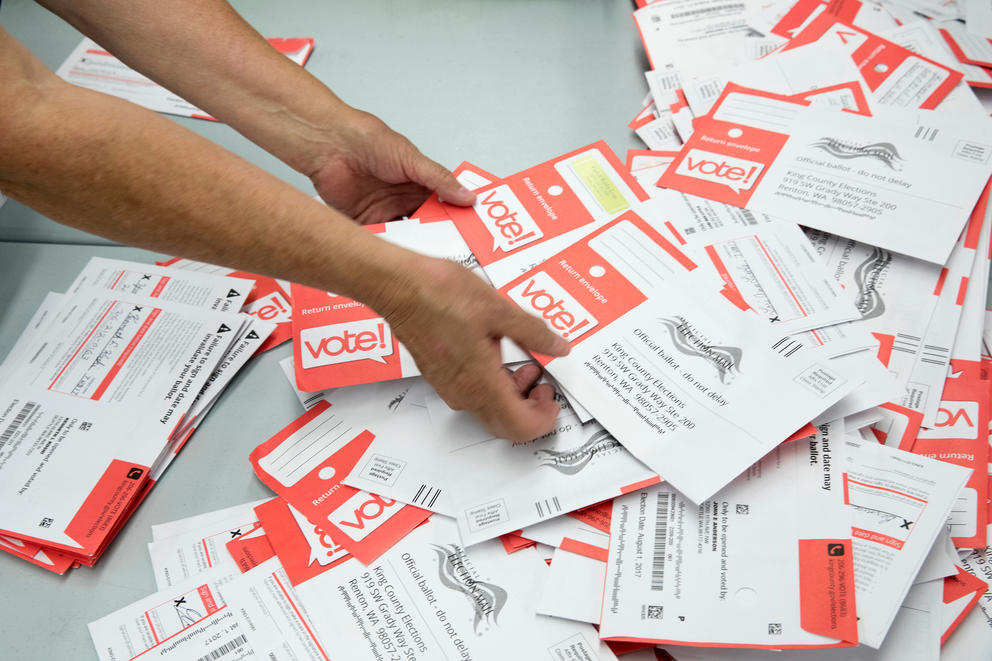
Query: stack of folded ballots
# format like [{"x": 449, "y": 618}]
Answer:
[
  {"x": 773, "y": 437},
  {"x": 103, "y": 388}
]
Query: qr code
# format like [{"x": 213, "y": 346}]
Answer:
[
  {"x": 743, "y": 509},
  {"x": 46, "y": 522},
  {"x": 655, "y": 612},
  {"x": 85, "y": 426},
  {"x": 775, "y": 629}
]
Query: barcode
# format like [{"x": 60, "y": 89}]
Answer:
[
  {"x": 548, "y": 507},
  {"x": 660, "y": 541},
  {"x": 925, "y": 133},
  {"x": 749, "y": 216},
  {"x": 19, "y": 419},
  {"x": 224, "y": 649},
  {"x": 708, "y": 10},
  {"x": 426, "y": 496}
]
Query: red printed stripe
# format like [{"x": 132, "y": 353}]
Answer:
[
  {"x": 581, "y": 548},
  {"x": 131, "y": 346}
]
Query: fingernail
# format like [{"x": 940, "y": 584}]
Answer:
[{"x": 561, "y": 346}]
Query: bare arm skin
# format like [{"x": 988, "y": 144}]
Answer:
[{"x": 109, "y": 167}]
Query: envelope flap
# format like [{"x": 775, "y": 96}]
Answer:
[{"x": 826, "y": 588}]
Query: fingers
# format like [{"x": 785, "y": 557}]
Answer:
[
  {"x": 530, "y": 332},
  {"x": 507, "y": 414},
  {"x": 437, "y": 178},
  {"x": 526, "y": 376}
]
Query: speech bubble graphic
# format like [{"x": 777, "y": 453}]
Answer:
[
  {"x": 505, "y": 218},
  {"x": 274, "y": 308},
  {"x": 323, "y": 549},
  {"x": 737, "y": 174},
  {"x": 541, "y": 294},
  {"x": 363, "y": 513},
  {"x": 366, "y": 339}
]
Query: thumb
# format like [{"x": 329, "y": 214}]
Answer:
[
  {"x": 439, "y": 179},
  {"x": 531, "y": 333}
]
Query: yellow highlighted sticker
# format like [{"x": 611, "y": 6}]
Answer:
[{"x": 598, "y": 183}]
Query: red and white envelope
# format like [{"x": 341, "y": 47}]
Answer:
[
  {"x": 304, "y": 550},
  {"x": 904, "y": 180},
  {"x": 669, "y": 366},
  {"x": 895, "y": 75},
  {"x": 525, "y": 218},
  {"x": 338, "y": 341},
  {"x": 960, "y": 436},
  {"x": 305, "y": 463},
  {"x": 468, "y": 175}
]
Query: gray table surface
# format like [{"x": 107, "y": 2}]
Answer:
[{"x": 503, "y": 83}]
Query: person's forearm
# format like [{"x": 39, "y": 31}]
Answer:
[
  {"x": 109, "y": 167},
  {"x": 205, "y": 52}
]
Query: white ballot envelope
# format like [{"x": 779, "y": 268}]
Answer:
[
  {"x": 90, "y": 66},
  {"x": 751, "y": 558},
  {"x": 900, "y": 503},
  {"x": 585, "y": 532},
  {"x": 903, "y": 180},
  {"x": 574, "y": 588},
  {"x": 695, "y": 387},
  {"x": 915, "y": 637},
  {"x": 265, "y": 597},
  {"x": 199, "y": 548},
  {"x": 813, "y": 66},
  {"x": 181, "y": 622},
  {"x": 686, "y": 31},
  {"x": 202, "y": 290},
  {"x": 490, "y": 485},
  {"x": 431, "y": 598},
  {"x": 768, "y": 264},
  {"x": 89, "y": 408}
]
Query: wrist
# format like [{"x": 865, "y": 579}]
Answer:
[{"x": 324, "y": 134}]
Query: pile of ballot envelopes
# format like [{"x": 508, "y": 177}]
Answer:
[{"x": 774, "y": 424}]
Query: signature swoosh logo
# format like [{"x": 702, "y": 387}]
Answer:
[
  {"x": 725, "y": 359},
  {"x": 486, "y": 599},
  {"x": 573, "y": 460},
  {"x": 884, "y": 152},
  {"x": 866, "y": 276}
]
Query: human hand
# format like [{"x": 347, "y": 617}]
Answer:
[
  {"x": 452, "y": 323},
  {"x": 373, "y": 174}
]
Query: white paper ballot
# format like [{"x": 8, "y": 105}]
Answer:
[
  {"x": 430, "y": 598},
  {"x": 574, "y": 588},
  {"x": 902, "y": 180},
  {"x": 89, "y": 409},
  {"x": 265, "y": 595},
  {"x": 202, "y": 290},
  {"x": 199, "y": 548},
  {"x": 186, "y": 621},
  {"x": 695, "y": 387},
  {"x": 901, "y": 502},
  {"x": 751, "y": 558},
  {"x": 492, "y": 486}
]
